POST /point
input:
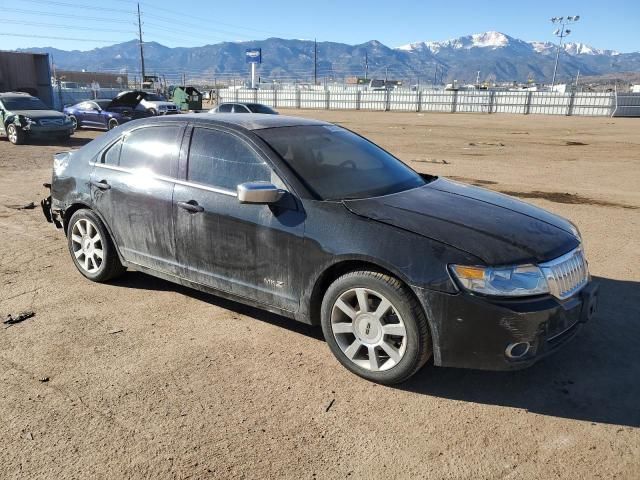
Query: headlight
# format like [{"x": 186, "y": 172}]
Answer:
[
  {"x": 514, "y": 281},
  {"x": 26, "y": 122},
  {"x": 576, "y": 231}
]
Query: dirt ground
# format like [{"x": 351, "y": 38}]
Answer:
[{"x": 144, "y": 379}]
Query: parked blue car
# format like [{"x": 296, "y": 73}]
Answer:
[{"x": 106, "y": 114}]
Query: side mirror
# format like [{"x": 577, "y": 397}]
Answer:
[{"x": 259, "y": 192}]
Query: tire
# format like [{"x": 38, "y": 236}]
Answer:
[
  {"x": 113, "y": 123},
  {"x": 74, "y": 121},
  {"x": 15, "y": 135},
  {"x": 396, "y": 331},
  {"x": 153, "y": 112},
  {"x": 84, "y": 246}
]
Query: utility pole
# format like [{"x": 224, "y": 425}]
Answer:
[
  {"x": 366, "y": 65},
  {"x": 315, "y": 62},
  {"x": 435, "y": 75},
  {"x": 561, "y": 32},
  {"x": 141, "y": 50},
  {"x": 184, "y": 82}
]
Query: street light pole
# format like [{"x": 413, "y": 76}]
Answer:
[{"x": 561, "y": 32}]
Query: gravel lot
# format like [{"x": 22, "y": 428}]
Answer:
[{"x": 144, "y": 379}]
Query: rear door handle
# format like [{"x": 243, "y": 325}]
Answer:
[
  {"x": 191, "y": 206},
  {"x": 102, "y": 185}
]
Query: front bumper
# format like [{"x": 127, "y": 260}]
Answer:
[
  {"x": 49, "y": 131},
  {"x": 471, "y": 331}
]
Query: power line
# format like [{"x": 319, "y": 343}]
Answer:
[
  {"x": 55, "y": 38},
  {"x": 75, "y": 6},
  {"x": 54, "y": 25},
  {"x": 67, "y": 15}
]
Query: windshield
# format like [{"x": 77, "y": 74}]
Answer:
[
  {"x": 337, "y": 164},
  {"x": 155, "y": 97},
  {"x": 24, "y": 103},
  {"x": 259, "y": 108}
]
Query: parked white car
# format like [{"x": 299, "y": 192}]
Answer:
[{"x": 157, "y": 104}]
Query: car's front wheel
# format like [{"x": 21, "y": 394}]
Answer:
[
  {"x": 74, "y": 122},
  {"x": 91, "y": 247},
  {"x": 113, "y": 123},
  {"x": 375, "y": 327},
  {"x": 15, "y": 135}
]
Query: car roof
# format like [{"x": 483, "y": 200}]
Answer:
[{"x": 249, "y": 122}]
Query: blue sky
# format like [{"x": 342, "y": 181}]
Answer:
[{"x": 82, "y": 24}]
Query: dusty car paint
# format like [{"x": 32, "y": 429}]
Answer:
[{"x": 280, "y": 257}]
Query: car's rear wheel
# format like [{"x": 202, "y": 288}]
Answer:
[
  {"x": 113, "y": 123},
  {"x": 375, "y": 327},
  {"x": 15, "y": 135},
  {"x": 91, "y": 247}
]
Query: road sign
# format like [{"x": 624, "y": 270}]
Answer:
[{"x": 253, "y": 55}]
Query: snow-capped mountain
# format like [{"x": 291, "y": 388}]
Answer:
[
  {"x": 491, "y": 40},
  {"x": 494, "y": 40},
  {"x": 497, "y": 56}
]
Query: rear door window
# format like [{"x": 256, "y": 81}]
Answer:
[
  {"x": 240, "y": 109},
  {"x": 226, "y": 108},
  {"x": 220, "y": 159},
  {"x": 152, "y": 148},
  {"x": 112, "y": 155}
]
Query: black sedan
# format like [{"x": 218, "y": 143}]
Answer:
[{"x": 312, "y": 221}]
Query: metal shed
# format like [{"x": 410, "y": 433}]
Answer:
[
  {"x": 26, "y": 72},
  {"x": 187, "y": 98}
]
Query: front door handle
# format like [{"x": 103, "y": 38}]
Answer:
[
  {"x": 191, "y": 206},
  {"x": 102, "y": 185}
]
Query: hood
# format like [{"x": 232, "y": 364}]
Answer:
[
  {"x": 498, "y": 229},
  {"x": 127, "y": 99},
  {"x": 38, "y": 114}
]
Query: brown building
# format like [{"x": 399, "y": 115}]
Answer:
[{"x": 26, "y": 72}]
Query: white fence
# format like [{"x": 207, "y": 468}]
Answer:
[
  {"x": 627, "y": 105},
  {"x": 476, "y": 101},
  {"x": 464, "y": 101}
]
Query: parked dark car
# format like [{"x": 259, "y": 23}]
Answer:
[
  {"x": 23, "y": 117},
  {"x": 106, "y": 114},
  {"x": 309, "y": 220},
  {"x": 238, "y": 107}
]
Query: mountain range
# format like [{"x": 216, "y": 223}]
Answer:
[{"x": 497, "y": 56}]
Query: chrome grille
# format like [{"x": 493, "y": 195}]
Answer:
[
  {"x": 567, "y": 274},
  {"x": 45, "y": 122}
]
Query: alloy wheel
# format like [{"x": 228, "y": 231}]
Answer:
[
  {"x": 368, "y": 329},
  {"x": 87, "y": 245},
  {"x": 12, "y": 133}
]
